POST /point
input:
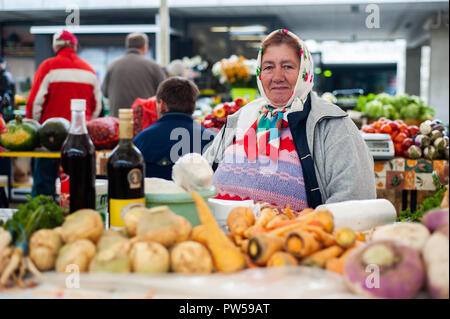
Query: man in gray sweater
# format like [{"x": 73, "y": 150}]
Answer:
[{"x": 132, "y": 75}]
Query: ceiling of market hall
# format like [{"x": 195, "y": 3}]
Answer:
[{"x": 318, "y": 20}]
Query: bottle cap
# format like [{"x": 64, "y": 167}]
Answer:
[
  {"x": 125, "y": 114},
  {"x": 78, "y": 105}
]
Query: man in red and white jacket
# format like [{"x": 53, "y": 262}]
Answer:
[
  {"x": 62, "y": 78},
  {"x": 57, "y": 81}
]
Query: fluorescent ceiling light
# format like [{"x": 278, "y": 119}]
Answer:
[
  {"x": 240, "y": 29},
  {"x": 125, "y": 28},
  {"x": 219, "y": 29},
  {"x": 247, "y": 37}
]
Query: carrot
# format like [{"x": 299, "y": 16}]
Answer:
[
  {"x": 345, "y": 237},
  {"x": 289, "y": 212},
  {"x": 283, "y": 230},
  {"x": 267, "y": 214},
  {"x": 239, "y": 219},
  {"x": 237, "y": 239},
  {"x": 244, "y": 246},
  {"x": 275, "y": 220},
  {"x": 306, "y": 211},
  {"x": 249, "y": 262},
  {"x": 321, "y": 218},
  {"x": 262, "y": 246},
  {"x": 360, "y": 236},
  {"x": 227, "y": 257},
  {"x": 337, "y": 264},
  {"x": 301, "y": 243},
  {"x": 320, "y": 257},
  {"x": 322, "y": 215},
  {"x": 281, "y": 258},
  {"x": 325, "y": 238},
  {"x": 249, "y": 232}
]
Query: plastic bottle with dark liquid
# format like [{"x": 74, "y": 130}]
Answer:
[{"x": 78, "y": 163}]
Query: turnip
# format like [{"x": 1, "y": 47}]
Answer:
[
  {"x": 435, "y": 134},
  {"x": 384, "y": 269},
  {"x": 79, "y": 253},
  {"x": 435, "y": 219},
  {"x": 425, "y": 127},
  {"x": 191, "y": 257},
  {"x": 439, "y": 144},
  {"x": 149, "y": 257},
  {"x": 414, "y": 235},
  {"x": 430, "y": 152},
  {"x": 437, "y": 125},
  {"x": 114, "y": 242},
  {"x": 44, "y": 248},
  {"x": 132, "y": 217},
  {"x": 110, "y": 261},
  {"x": 422, "y": 140},
  {"x": 82, "y": 224},
  {"x": 436, "y": 258},
  {"x": 163, "y": 226},
  {"x": 414, "y": 152}
]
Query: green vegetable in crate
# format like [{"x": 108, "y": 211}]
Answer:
[
  {"x": 410, "y": 111},
  {"x": 53, "y": 133},
  {"x": 21, "y": 136},
  {"x": 375, "y": 109}
]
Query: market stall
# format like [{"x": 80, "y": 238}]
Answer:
[
  {"x": 256, "y": 250},
  {"x": 230, "y": 249}
]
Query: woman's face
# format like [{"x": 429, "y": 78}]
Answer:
[{"x": 280, "y": 66}]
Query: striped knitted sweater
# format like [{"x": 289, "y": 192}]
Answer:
[{"x": 261, "y": 180}]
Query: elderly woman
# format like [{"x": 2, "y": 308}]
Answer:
[{"x": 290, "y": 146}]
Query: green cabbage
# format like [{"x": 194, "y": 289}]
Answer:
[{"x": 400, "y": 106}]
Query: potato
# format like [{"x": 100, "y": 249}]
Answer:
[
  {"x": 149, "y": 257},
  {"x": 191, "y": 257},
  {"x": 78, "y": 253},
  {"x": 82, "y": 224},
  {"x": 44, "y": 248},
  {"x": 110, "y": 261}
]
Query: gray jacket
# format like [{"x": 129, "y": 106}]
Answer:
[
  {"x": 130, "y": 77},
  {"x": 344, "y": 167}
]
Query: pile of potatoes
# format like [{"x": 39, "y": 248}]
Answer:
[{"x": 153, "y": 241}]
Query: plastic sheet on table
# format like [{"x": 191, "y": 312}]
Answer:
[{"x": 264, "y": 283}]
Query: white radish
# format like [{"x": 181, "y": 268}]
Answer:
[
  {"x": 436, "y": 257},
  {"x": 414, "y": 235}
]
